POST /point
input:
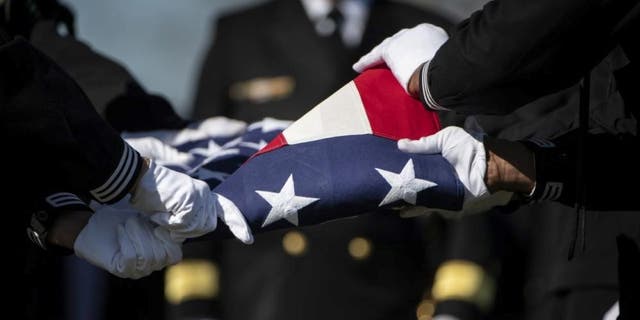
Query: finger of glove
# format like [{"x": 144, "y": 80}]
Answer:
[
  {"x": 162, "y": 219},
  {"x": 125, "y": 260},
  {"x": 178, "y": 232},
  {"x": 99, "y": 241},
  {"x": 187, "y": 216},
  {"x": 477, "y": 185},
  {"x": 194, "y": 224},
  {"x": 172, "y": 249},
  {"x": 179, "y": 224},
  {"x": 140, "y": 231},
  {"x": 202, "y": 218},
  {"x": 238, "y": 226},
  {"x": 426, "y": 145},
  {"x": 371, "y": 59},
  {"x": 165, "y": 250},
  {"x": 233, "y": 218},
  {"x": 375, "y": 56}
]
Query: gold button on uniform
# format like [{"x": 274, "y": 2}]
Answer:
[
  {"x": 294, "y": 243},
  {"x": 360, "y": 248}
]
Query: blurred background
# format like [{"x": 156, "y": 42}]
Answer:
[
  {"x": 163, "y": 42},
  {"x": 252, "y": 59}
]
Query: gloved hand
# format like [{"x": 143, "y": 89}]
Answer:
[
  {"x": 183, "y": 205},
  {"x": 405, "y": 51},
  {"x": 126, "y": 243},
  {"x": 465, "y": 152}
]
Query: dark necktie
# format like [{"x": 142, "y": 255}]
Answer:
[{"x": 338, "y": 20}]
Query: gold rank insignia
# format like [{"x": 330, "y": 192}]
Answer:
[{"x": 262, "y": 89}]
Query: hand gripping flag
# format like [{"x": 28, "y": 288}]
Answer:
[{"x": 341, "y": 159}]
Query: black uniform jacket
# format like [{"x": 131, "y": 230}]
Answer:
[
  {"x": 513, "y": 52},
  {"x": 53, "y": 134}
]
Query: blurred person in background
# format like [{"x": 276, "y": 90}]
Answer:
[
  {"x": 278, "y": 60},
  {"x": 281, "y": 58}
]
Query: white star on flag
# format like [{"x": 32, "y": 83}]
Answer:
[
  {"x": 285, "y": 204},
  {"x": 404, "y": 185},
  {"x": 211, "y": 149}
]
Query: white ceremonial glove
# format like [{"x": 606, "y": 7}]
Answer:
[
  {"x": 183, "y": 205},
  {"x": 613, "y": 312},
  {"x": 126, "y": 243},
  {"x": 405, "y": 51},
  {"x": 465, "y": 152}
]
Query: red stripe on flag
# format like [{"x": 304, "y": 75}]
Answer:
[
  {"x": 277, "y": 142},
  {"x": 391, "y": 111}
]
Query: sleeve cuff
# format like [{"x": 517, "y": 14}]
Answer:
[
  {"x": 46, "y": 213},
  {"x": 554, "y": 176},
  {"x": 425, "y": 94},
  {"x": 122, "y": 178}
]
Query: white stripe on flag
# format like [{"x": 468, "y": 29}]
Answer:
[{"x": 341, "y": 114}]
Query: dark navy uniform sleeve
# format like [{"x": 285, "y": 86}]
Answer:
[
  {"x": 608, "y": 163},
  {"x": 514, "y": 51},
  {"x": 50, "y": 124}
]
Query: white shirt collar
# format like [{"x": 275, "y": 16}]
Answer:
[
  {"x": 317, "y": 9},
  {"x": 355, "y": 12}
]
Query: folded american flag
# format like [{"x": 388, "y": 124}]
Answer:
[{"x": 341, "y": 160}]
